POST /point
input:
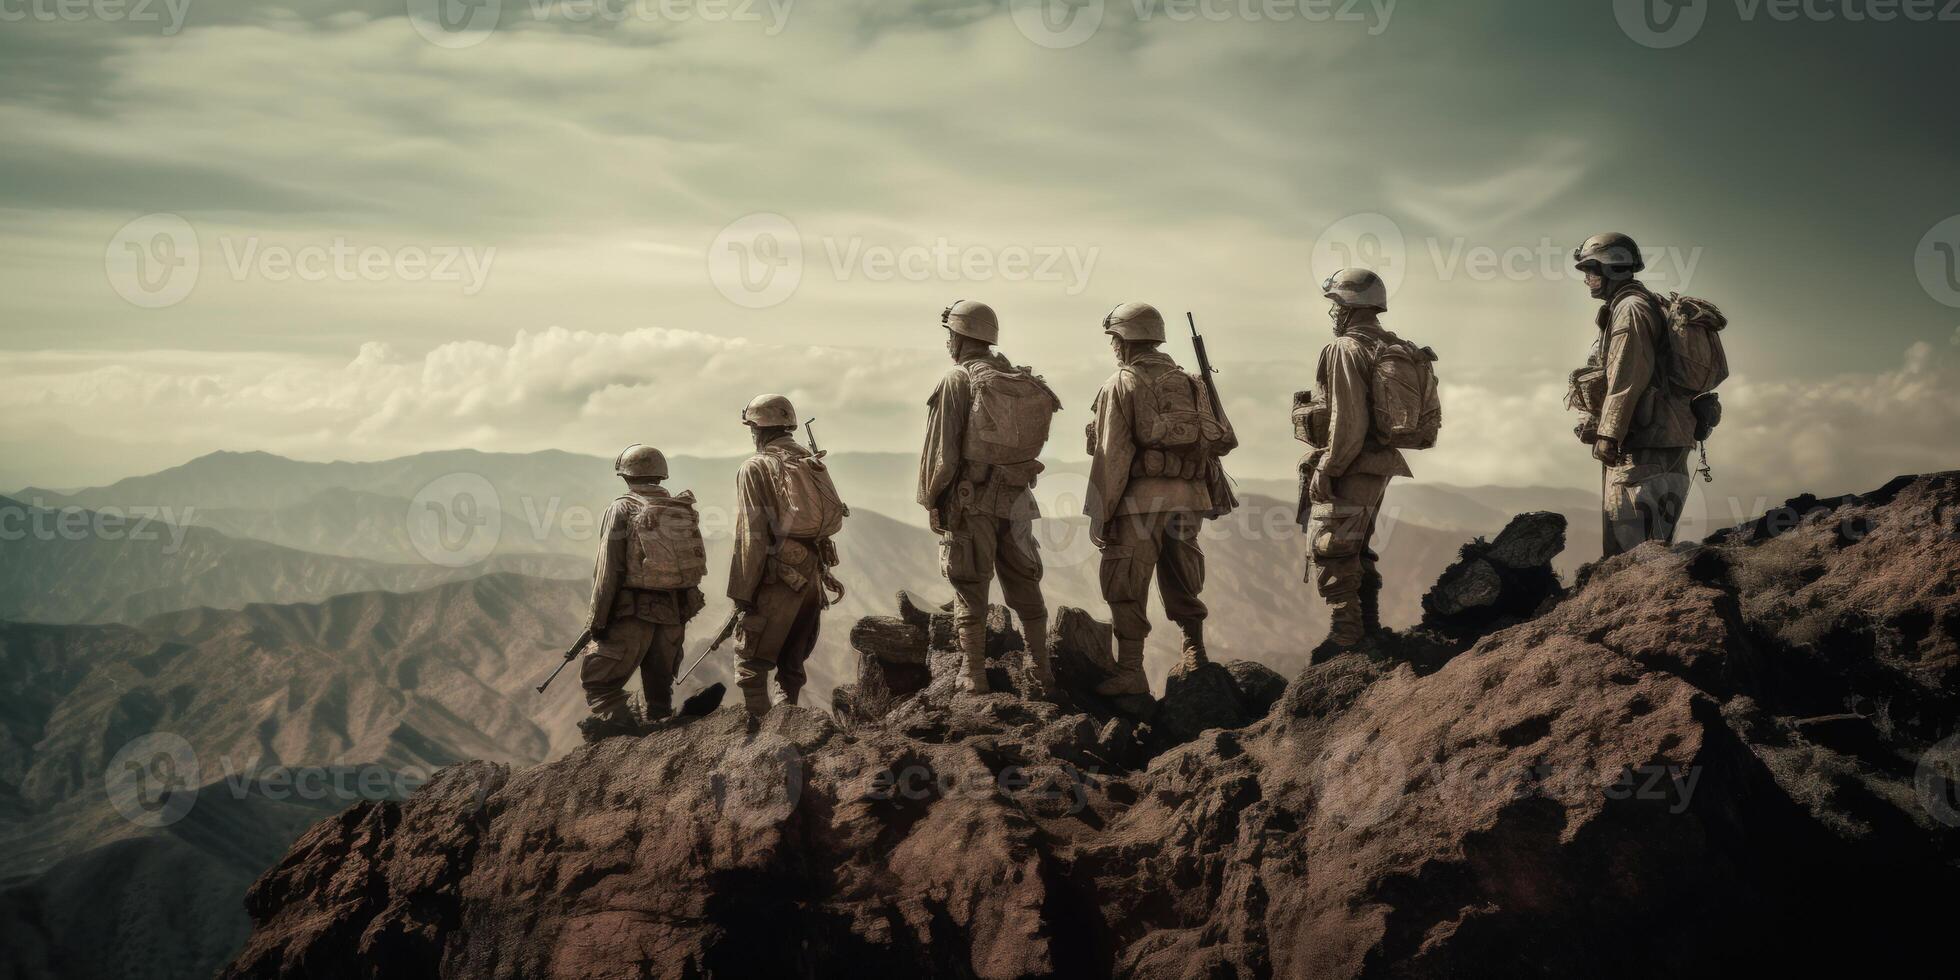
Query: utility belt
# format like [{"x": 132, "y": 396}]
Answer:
[
  {"x": 792, "y": 554},
  {"x": 1172, "y": 465},
  {"x": 667, "y": 607},
  {"x": 1012, "y": 476}
]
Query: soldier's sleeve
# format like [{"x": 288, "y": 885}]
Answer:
[
  {"x": 939, "y": 461},
  {"x": 1348, "y": 414},
  {"x": 753, "y": 505},
  {"x": 1629, "y": 367},
  {"x": 611, "y": 565},
  {"x": 1114, "y": 451}
]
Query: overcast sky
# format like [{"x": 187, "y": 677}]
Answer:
[{"x": 332, "y": 230}]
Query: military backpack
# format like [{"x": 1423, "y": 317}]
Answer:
[
  {"x": 1012, "y": 408},
  {"x": 1173, "y": 415},
  {"x": 664, "y": 549},
  {"x": 808, "y": 506},
  {"x": 1408, "y": 408}
]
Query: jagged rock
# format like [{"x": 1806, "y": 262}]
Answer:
[
  {"x": 912, "y": 612},
  {"x": 1259, "y": 686},
  {"x": 1529, "y": 541},
  {"x": 1497, "y": 584},
  {"x": 891, "y": 640},
  {"x": 1198, "y": 699},
  {"x": 1697, "y": 749}
]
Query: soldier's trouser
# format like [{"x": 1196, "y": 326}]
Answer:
[
  {"x": 1339, "y": 534},
  {"x": 632, "y": 644},
  {"x": 982, "y": 547},
  {"x": 1163, "y": 544},
  {"x": 782, "y": 630},
  {"x": 1644, "y": 497}
]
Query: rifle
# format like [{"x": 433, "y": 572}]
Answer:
[
  {"x": 1208, "y": 372},
  {"x": 811, "y": 434},
  {"x": 727, "y": 630},
  {"x": 584, "y": 640}
]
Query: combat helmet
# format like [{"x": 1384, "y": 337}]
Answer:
[
  {"x": 641, "y": 463},
  {"x": 970, "y": 318},
  {"x": 1135, "y": 321}
]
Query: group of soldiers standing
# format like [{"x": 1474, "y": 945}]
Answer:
[{"x": 1156, "y": 441}]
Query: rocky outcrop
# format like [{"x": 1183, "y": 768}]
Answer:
[{"x": 1718, "y": 757}]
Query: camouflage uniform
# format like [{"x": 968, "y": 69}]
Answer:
[
  {"x": 1150, "y": 523},
  {"x": 643, "y": 629},
  {"x": 1359, "y": 467},
  {"x": 780, "y": 579},
  {"x": 988, "y": 513},
  {"x": 1643, "y": 495}
]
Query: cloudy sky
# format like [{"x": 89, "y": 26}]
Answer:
[{"x": 364, "y": 229}]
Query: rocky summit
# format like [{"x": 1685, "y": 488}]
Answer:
[{"x": 1729, "y": 756}]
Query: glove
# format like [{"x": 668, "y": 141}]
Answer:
[
  {"x": 1587, "y": 431},
  {"x": 1320, "y": 488},
  {"x": 599, "y": 633},
  {"x": 1607, "y": 451}
]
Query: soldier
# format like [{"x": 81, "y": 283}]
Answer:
[
  {"x": 986, "y": 425},
  {"x": 1644, "y": 429},
  {"x": 643, "y": 593},
  {"x": 1355, "y": 453},
  {"x": 786, "y": 510},
  {"x": 1155, "y": 444}
]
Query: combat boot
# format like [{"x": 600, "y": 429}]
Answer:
[
  {"x": 1040, "y": 666},
  {"x": 1129, "y": 677},
  {"x": 614, "y": 723},
  {"x": 973, "y": 648},
  {"x": 756, "y": 699},
  {"x": 1194, "y": 647},
  {"x": 1346, "y": 631},
  {"x": 1371, "y": 603}
]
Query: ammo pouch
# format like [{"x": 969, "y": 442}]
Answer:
[
  {"x": 1158, "y": 462},
  {"x": 1014, "y": 476},
  {"x": 661, "y": 607},
  {"x": 1310, "y": 421},
  {"x": 1708, "y": 415},
  {"x": 783, "y": 566},
  {"x": 1586, "y": 391}
]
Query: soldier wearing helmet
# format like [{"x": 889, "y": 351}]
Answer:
[
  {"x": 1348, "y": 471},
  {"x": 986, "y": 424},
  {"x": 780, "y": 568},
  {"x": 1154, "y": 444},
  {"x": 644, "y": 591},
  {"x": 1640, "y": 430}
]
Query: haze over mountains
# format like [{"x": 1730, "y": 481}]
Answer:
[{"x": 394, "y": 617}]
